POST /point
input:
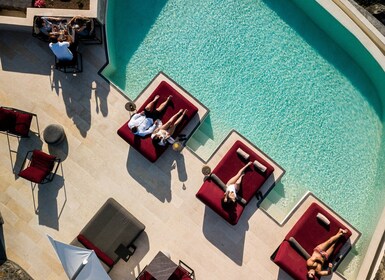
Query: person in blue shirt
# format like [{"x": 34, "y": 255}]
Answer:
[{"x": 143, "y": 123}]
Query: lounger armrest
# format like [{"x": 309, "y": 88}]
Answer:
[
  {"x": 218, "y": 181},
  {"x": 294, "y": 243}
]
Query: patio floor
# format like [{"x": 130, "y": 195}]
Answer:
[{"x": 98, "y": 164}]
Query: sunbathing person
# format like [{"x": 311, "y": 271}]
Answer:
[
  {"x": 162, "y": 135},
  {"x": 318, "y": 264},
  {"x": 61, "y": 49},
  {"x": 143, "y": 123},
  {"x": 82, "y": 25},
  {"x": 233, "y": 186}
]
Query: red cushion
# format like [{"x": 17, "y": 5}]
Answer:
[
  {"x": 34, "y": 174},
  {"x": 40, "y": 167},
  {"x": 144, "y": 145},
  {"x": 7, "y": 119},
  {"x": 288, "y": 259},
  {"x": 211, "y": 194},
  {"x": 146, "y": 276},
  {"x": 101, "y": 255},
  {"x": 22, "y": 125},
  {"x": 180, "y": 274},
  {"x": 309, "y": 232},
  {"x": 42, "y": 161}
]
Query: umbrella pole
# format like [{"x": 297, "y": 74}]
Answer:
[{"x": 77, "y": 272}]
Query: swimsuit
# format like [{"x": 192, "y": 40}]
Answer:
[{"x": 324, "y": 255}]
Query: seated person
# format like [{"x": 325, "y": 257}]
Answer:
[
  {"x": 233, "y": 186},
  {"x": 162, "y": 135},
  {"x": 47, "y": 25},
  {"x": 318, "y": 263},
  {"x": 82, "y": 25},
  {"x": 143, "y": 123},
  {"x": 60, "y": 49}
]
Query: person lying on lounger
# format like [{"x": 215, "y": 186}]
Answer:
[
  {"x": 233, "y": 186},
  {"x": 143, "y": 123},
  {"x": 318, "y": 264},
  {"x": 162, "y": 135}
]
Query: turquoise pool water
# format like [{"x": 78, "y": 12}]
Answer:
[{"x": 265, "y": 69}]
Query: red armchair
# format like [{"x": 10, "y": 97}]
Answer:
[
  {"x": 16, "y": 122},
  {"x": 41, "y": 168}
]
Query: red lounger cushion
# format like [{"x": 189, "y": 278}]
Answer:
[
  {"x": 144, "y": 145},
  {"x": 101, "y": 255},
  {"x": 211, "y": 194},
  {"x": 309, "y": 232}
]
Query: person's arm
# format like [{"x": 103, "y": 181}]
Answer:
[{"x": 326, "y": 272}]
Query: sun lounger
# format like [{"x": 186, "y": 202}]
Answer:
[
  {"x": 110, "y": 233},
  {"x": 314, "y": 227},
  {"x": 144, "y": 145},
  {"x": 211, "y": 193}
]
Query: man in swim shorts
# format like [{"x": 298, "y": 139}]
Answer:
[
  {"x": 143, "y": 123},
  {"x": 320, "y": 257}
]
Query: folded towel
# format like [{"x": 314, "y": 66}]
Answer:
[
  {"x": 259, "y": 166},
  {"x": 243, "y": 154},
  {"x": 323, "y": 219},
  {"x": 299, "y": 248}
]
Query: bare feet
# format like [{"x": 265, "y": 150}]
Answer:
[
  {"x": 185, "y": 112},
  {"x": 245, "y": 167},
  {"x": 169, "y": 97},
  {"x": 156, "y": 97},
  {"x": 342, "y": 231}
]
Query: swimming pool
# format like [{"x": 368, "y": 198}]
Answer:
[{"x": 265, "y": 69}]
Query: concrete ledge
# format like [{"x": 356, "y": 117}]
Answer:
[{"x": 31, "y": 12}]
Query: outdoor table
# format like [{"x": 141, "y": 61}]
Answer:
[{"x": 161, "y": 267}]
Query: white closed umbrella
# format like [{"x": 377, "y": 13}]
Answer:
[{"x": 79, "y": 263}]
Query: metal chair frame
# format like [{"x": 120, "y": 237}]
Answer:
[
  {"x": 189, "y": 270},
  {"x": 52, "y": 174}
]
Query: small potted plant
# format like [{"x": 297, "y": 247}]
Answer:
[{"x": 39, "y": 3}]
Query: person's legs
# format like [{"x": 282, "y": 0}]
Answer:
[
  {"x": 167, "y": 125},
  {"x": 172, "y": 127},
  {"x": 150, "y": 106},
  {"x": 331, "y": 241},
  {"x": 163, "y": 105},
  {"x": 238, "y": 177}
]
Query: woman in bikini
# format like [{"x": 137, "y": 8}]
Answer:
[
  {"x": 233, "y": 185},
  {"x": 315, "y": 264},
  {"x": 162, "y": 135}
]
